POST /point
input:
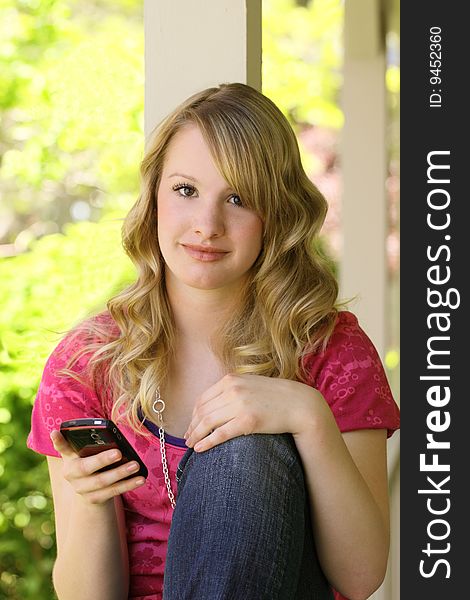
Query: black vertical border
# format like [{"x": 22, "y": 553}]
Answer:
[{"x": 425, "y": 129}]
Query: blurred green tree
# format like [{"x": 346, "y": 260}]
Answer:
[
  {"x": 71, "y": 139},
  {"x": 64, "y": 278},
  {"x": 303, "y": 59},
  {"x": 71, "y": 134}
]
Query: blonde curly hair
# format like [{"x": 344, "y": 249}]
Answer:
[{"x": 289, "y": 305}]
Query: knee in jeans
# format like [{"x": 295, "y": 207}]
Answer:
[{"x": 259, "y": 450}]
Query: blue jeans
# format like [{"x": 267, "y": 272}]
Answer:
[{"x": 241, "y": 527}]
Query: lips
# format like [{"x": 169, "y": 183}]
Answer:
[{"x": 205, "y": 253}]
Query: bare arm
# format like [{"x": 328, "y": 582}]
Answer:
[
  {"x": 92, "y": 559},
  {"x": 346, "y": 477}
]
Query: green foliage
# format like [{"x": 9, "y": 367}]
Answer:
[
  {"x": 63, "y": 279},
  {"x": 71, "y": 81},
  {"x": 302, "y": 65},
  {"x": 302, "y": 59}
]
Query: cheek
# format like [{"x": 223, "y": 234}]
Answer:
[
  {"x": 163, "y": 210},
  {"x": 167, "y": 218},
  {"x": 252, "y": 237}
]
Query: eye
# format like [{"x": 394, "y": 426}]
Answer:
[
  {"x": 236, "y": 200},
  {"x": 184, "y": 189}
]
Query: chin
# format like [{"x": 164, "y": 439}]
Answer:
[
  {"x": 209, "y": 281},
  {"x": 207, "y": 284},
  {"x": 206, "y": 278}
]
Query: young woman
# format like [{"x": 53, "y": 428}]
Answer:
[{"x": 260, "y": 409}]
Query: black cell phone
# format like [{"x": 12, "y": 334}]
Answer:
[{"x": 91, "y": 436}]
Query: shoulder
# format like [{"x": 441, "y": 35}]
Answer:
[
  {"x": 346, "y": 323},
  {"x": 349, "y": 349},
  {"x": 99, "y": 327},
  {"x": 347, "y": 336},
  {"x": 69, "y": 365},
  {"x": 86, "y": 335},
  {"x": 67, "y": 390},
  {"x": 350, "y": 375}
]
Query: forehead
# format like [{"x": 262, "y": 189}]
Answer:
[{"x": 188, "y": 147}]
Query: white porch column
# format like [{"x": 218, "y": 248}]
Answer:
[
  {"x": 363, "y": 269},
  {"x": 363, "y": 265},
  {"x": 193, "y": 45}
]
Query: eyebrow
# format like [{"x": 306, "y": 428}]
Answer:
[{"x": 183, "y": 175}]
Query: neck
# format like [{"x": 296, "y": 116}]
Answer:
[{"x": 198, "y": 314}]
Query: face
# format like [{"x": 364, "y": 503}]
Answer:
[{"x": 208, "y": 238}]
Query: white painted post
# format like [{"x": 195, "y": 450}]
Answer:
[
  {"x": 191, "y": 45},
  {"x": 363, "y": 266}
]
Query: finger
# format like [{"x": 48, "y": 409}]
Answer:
[
  {"x": 228, "y": 431},
  {"x": 83, "y": 467},
  {"x": 214, "y": 416},
  {"x": 121, "y": 487},
  {"x": 198, "y": 414},
  {"x": 105, "y": 479},
  {"x": 235, "y": 427},
  {"x": 61, "y": 445}
]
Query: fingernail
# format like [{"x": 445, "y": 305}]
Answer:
[{"x": 115, "y": 455}]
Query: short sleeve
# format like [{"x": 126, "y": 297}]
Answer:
[
  {"x": 61, "y": 397},
  {"x": 350, "y": 376}
]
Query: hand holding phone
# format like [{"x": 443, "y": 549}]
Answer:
[
  {"x": 100, "y": 474},
  {"x": 91, "y": 436}
]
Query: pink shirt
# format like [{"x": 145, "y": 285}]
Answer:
[{"x": 349, "y": 375}]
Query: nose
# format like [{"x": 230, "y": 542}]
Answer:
[{"x": 208, "y": 221}]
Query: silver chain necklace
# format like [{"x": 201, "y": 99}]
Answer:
[{"x": 161, "y": 433}]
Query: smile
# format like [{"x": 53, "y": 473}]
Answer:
[{"x": 205, "y": 253}]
